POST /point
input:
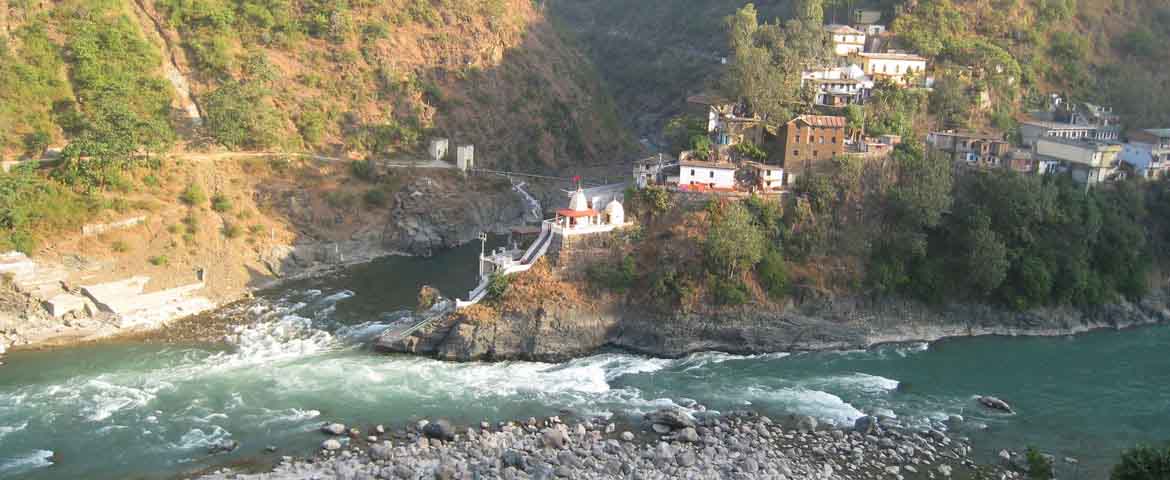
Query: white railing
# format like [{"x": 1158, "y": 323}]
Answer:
[{"x": 527, "y": 260}]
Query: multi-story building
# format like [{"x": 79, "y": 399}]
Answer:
[
  {"x": 808, "y": 140},
  {"x": 839, "y": 86},
  {"x": 1032, "y": 130},
  {"x": 1148, "y": 152},
  {"x": 900, "y": 68},
  {"x": 974, "y": 149},
  {"x": 846, "y": 40},
  {"x": 1088, "y": 161}
]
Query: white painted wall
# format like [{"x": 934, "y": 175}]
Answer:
[{"x": 710, "y": 176}]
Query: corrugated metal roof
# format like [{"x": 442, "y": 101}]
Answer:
[{"x": 821, "y": 121}]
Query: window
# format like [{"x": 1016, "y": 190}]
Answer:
[
  {"x": 796, "y": 153},
  {"x": 821, "y": 140},
  {"x": 834, "y": 140},
  {"x": 711, "y": 174},
  {"x": 692, "y": 172}
]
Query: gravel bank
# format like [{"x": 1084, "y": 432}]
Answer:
[{"x": 671, "y": 443}]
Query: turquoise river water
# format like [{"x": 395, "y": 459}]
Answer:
[{"x": 299, "y": 358}]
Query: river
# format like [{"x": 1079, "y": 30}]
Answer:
[{"x": 299, "y": 358}]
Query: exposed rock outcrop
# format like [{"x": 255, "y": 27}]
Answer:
[
  {"x": 562, "y": 332},
  {"x": 429, "y": 215}
]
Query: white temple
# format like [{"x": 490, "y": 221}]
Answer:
[{"x": 581, "y": 217}]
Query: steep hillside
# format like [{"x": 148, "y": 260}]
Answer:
[
  {"x": 352, "y": 77},
  {"x": 653, "y": 55}
]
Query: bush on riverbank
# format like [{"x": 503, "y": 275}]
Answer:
[{"x": 1143, "y": 463}]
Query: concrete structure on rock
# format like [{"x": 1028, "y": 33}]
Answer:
[
  {"x": 465, "y": 157},
  {"x": 438, "y": 148}
]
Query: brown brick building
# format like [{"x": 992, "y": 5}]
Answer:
[{"x": 808, "y": 140}]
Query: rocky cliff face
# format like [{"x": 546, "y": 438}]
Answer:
[
  {"x": 844, "y": 323},
  {"x": 430, "y": 215}
]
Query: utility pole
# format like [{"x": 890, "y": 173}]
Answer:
[{"x": 482, "y": 247}]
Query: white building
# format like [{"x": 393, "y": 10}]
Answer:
[
  {"x": 1148, "y": 151},
  {"x": 768, "y": 177},
  {"x": 846, "y": 40},
  {"x": 839, "y": 86},
  {"x": 438, "y": 148},
  {"x": 465, "y": 157},
  {"x": 898, "y": 67},
  {"x": 697, "y": 175}
]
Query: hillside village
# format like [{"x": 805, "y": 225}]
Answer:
[{"x": 742, "y": 151}]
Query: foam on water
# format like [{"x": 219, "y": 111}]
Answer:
[
  {"x": 815, "y": 403},
  {"x": 201, "y": 438},
  {"x": 855, "y": 382},
  {"x": 704, "y": 359},
  {"x": 7, "y": 429},
  {"x": 25, "y": 462}
]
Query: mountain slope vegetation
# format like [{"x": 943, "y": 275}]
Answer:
[
  {"x": 1014, "y": 52},
  {"x": 348, "y": 77}
]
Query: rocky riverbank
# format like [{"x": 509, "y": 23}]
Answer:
[
  {"x": 556, "y": 331},
  {"x": 670, "y": 443},
  {"x": 293, "y": 232}
]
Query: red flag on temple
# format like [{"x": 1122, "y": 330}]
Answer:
[{"x": 577, "y": 179}]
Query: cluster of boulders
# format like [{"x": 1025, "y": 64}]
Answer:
[{"x": 671, "y": 442}]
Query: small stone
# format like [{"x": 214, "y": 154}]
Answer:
[
  {"x": 660, "y": 428},
  {"x": 380, "y": 429},
  {"x": 944, "y": 470},
  {"x": 372, "y": 439},
  {"x": 270, "y": 448},
  {"x": 749, "y": 466},
  {"x": 686, "y": 458},
  {"x": 627, "y": 436},
  {"x": 331, "y": 444}
]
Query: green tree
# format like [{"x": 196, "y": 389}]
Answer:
[
  {"x": 734, "y": 243},
  {"x": 950, "y": 102},
  {"x": 35, "y": 143},
  {"x": 240, "y": 115},
  {"x": 773, "y": 275},
  {"x": 1039, "y": 466},
  {"x": 1143, "y": 463}
]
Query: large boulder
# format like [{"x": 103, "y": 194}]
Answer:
[
  {"x": 673, "y": 417},
  {"x": 995, "y": 404},
  {"x": 439, "y": 429},
  {"x": 805, "y": 423},
  {"x": 555, "y": 438},
  {"x": 867, "y": 425},
  {"x": 334, "y": 429}
]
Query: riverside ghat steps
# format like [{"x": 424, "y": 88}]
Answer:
[{"x": 121, "y": 303}]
